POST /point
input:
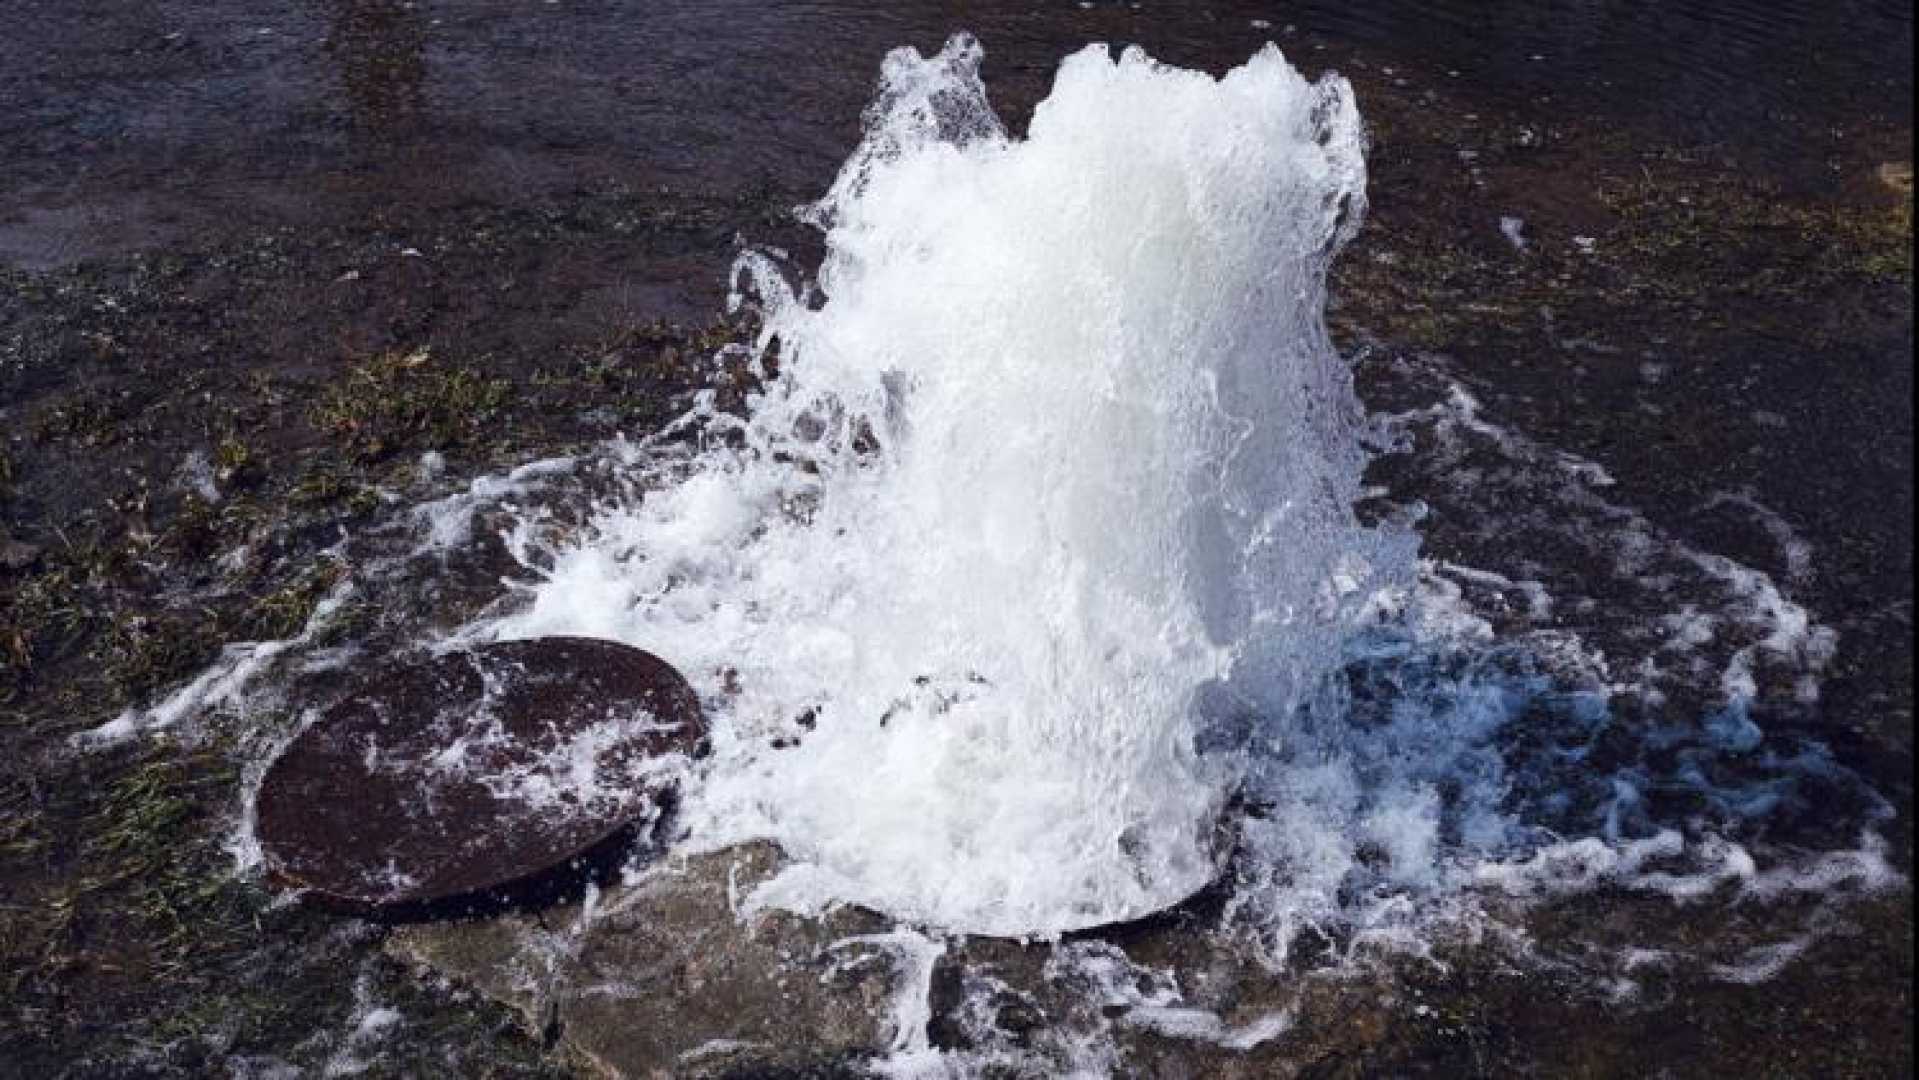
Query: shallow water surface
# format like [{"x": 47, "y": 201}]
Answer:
[{"x": 129, "y": 128}]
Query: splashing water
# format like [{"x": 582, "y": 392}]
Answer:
[
  {"x": 1030, "y": 593},
  {"x": 1059, "y": 460}
]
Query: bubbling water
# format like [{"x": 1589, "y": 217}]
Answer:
[{"x": 1053, "y": 473}]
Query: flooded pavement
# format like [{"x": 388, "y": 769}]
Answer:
[
  {"x": 127, "y": 131},
  {"x": 261, "y": 276}
]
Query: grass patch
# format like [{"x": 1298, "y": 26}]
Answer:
[
  {"x": 140, "y": 653},
  {"x": 398, "y": 401},
  {"x": 39, "y": 616},
  {"x": 329, "y": 483},
  {"x": 286, "y": 611},
  {"x": 88, "y": 420},
  {"x": 233, "y": 460},
  {"x": 1744, "y": 238}
]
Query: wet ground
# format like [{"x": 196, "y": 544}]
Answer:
[
  {"x": 312, "y": 241},
  {"x": 126, "y": 131}
]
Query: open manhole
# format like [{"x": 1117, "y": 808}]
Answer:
[{"x": 476, "y": 771}]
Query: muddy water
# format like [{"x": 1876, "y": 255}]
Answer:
[{"x": 126, "y": 128}]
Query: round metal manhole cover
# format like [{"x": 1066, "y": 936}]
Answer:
[{"x": 475, "y": 770}]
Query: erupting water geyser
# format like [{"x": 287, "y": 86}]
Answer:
[{"x": 1058, "y": 469}]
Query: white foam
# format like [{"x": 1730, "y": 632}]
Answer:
[
  {"x": 1513, "y": 229},
  {"x": 196, "y": 475},
  {"x": 1202, "y": 1025},
  {"x": 229, "y": 682},
  {"x": 1150, "y": 998},
  {"x": 1761, "y": 962},
  {"x": 370, "y": 1025},
  {"x": 910, "y": 1049},
  {"x": 446, "y": 523},
  {"x": 1059, "y": 443},
  {"x": 1044, "y": 530}
]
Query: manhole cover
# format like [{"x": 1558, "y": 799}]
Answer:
[{"x": 475, "y": 770}]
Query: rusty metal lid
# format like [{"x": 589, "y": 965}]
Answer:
[{"x": 475, "y": 770}]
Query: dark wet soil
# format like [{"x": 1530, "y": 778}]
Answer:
[{"x": 311, "y": 244}]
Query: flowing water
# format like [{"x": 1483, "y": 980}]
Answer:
[
  {"x": 1042, "y": 548},
  {"x": 1040, "y": 585},
  {"x": 1007, "y": 517},
  {"x": 1055, "y": 572}
]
